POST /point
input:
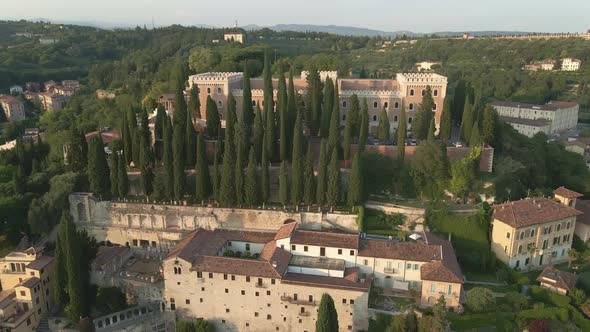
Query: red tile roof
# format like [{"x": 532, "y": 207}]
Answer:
[
  {"x": 349, "y": 282},
  {"x": 286, "y": 230},
  {"x": 532, "y": 211},
  {"x": 448, "y": 270},
  {"x": 564, "y": 192},
  {"x": 400, "y": 250},
  {"x": 558, "y": 278},
  {"x": 40, "y": 263},
  {"x": 325, "y": 239}
]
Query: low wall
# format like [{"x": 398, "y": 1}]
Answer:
[{"x": 414, "y": 216}]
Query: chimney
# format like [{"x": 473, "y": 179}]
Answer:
[{"x": 274, "y": 264}]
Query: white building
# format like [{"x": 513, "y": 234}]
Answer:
[
  {"x": 529, "y": 119},
  {"x": 426, "y": 65},
  {"x": 234, "y": 37},
  {"x": 570, "y": 64},
  {"x": 16, "y": 89}
]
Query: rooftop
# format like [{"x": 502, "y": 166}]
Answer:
[
  {"x": 584, "y": 207},
  {"x": 40, "y": 263},
  {"x": 349, "y": 281},
  {"x": 527, "y": 122},
  {"x": 28, "y": 283},
  {"x": 564, "y": 192},
  {"x": 323, "y": 263},
  {"x": 532, "y": 211},
  {"x": 325, "y": 239},
  {"x": 558, "y": 278},
  {"x": 550, "y": 106},
  {"x": 400, "y": 250}
]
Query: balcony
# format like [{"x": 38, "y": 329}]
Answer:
[
  {"x": 298, "y": 302},
  {"x": 304, "y": 313},
  {"x": 260, "y": 285},
  {"x": 7, "y": 271},
  {"x": 389, "y": 270},
  {"x": 200, "y": 280}
]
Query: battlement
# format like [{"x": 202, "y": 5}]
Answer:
[
  {"x": 216, "y": 76},
  {"x": 323, "y": 75},
  {"x": 420, "y": 78},
  {"x": 371, "y": 93}
]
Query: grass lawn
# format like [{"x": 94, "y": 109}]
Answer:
[
  {"x": 465, "y": 234},
  {"x": 378, "y": 223},
  {"x": 495, "y": 289},
  {"x": 492, "y": 321},
  {"x": 483, "y": 277}
]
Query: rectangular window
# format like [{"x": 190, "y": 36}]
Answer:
[
  {"x": 409, "y": 266},
  {"x": 272, "y": 281},
  {"x": 432, "y": 288},
  {"x": 199, "y": 274},
  {"x": 322, "y": 251},
  {"x": 305, "y": 248},
  {"x": 233, "y": 277},
  {"x": 243, "y": 292},
  {"x": 187, "y": 301},
  {"x": 343, "y": 301},
  {"x": 248, "y": 246},
  {"x": 351, "y": 301},
  {"x": 352, "y": 253},
  {"x": 226, "y": 290},
  {"x": 416, "y": 267},
  {"x": 339, "y": 251},
  {"x": 293, "y": 247},
  {"x": 247, "y": 278},
  {"x": 366, "y": 262},
  {"x": 449, "y": 289},
  {"x": 229, "y": 243},
  {"x": 225, "y": 276},
  {"x": 210, "y": 275}
]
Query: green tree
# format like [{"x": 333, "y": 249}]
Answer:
[
  {"x": 213, "y": 120},
  {"x": 355, "y": 183},
  {"x": 216, "y": 176},
  {"x": 398, "y": 324},
  {"x": 122, "y": 180},
  {"x": 268, "y": 105},
  {"x": 19, "y": 180},
  {"x": 466, "y": 120},
  {"x": 463, "y": 173},
  {"x": 77, "y": 306},
  {"x": 490, "y": 118},
  {"x": 98, "y": 168},
  {"x": 269, "y": 133},
  {"x": 424, "y": 115},
  {"x": 60, "y": 274},
  {"x": 297, "y": 187},
  {"x": 241, "y": 153},
  {"x": 203, "y": 181},
  {"x": 446, "y": 122},
  {"x": 159, "y": 130},
  {"x": 127, "y": 139},
  {"x": 190, "y": 136},
  {"x": 328, "y": 107},
  {"x": 363, "y": 126},
  {"x": 202, "y": 59},
  {"x": 480, "y": 299},
  {"x": 334, "y": 135},
  {"x": 291, "y": 106},
  {"x": 247, "y": 107},
  {"x": 322, "y": 174},
  {"x": 475, "y": 138},
  {"x": 353, "y": 116},
  {"x": 430, "y": 169},
  {"x": 334, "y": 181},
  {"x": 147, "y": 176},
  {"x": 383, "y": 132},
  {"x": 283, "y": 117},
  {"x": 265, "y": 176},
  {"x": 327, "y": 316},
  {"x": 227, "y": 196},
  {"x": 77, "y": 151},
  {"x": 284, "y": 184},
  {"x": 194, "y": 102},
  {"x": 314, "y": 102},
  {"x": 251, "y": 193},
  {"x": 401, "y": 135},
  {"x": 168, "y": 160},
  {"x": 309, "y": 179},
  {"x": 258, "y": 136},
  {"x": 431, "y": 130},
  {"x": 179, "y": 161}
]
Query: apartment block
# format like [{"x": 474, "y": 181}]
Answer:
[{"x": 14, "y": 109}]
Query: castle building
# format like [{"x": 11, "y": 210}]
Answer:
[
  {"x": 406, "y": 91},
  {"x": 26, "y": 289},
  {"x": 242, "y": 280},
  {"x": 535, "y": 231},
  {"x": 529, "y": 119}
]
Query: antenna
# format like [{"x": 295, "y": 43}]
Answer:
[
  {"x": 236, "y": 24},
  {"x": 153, "y": 25}
]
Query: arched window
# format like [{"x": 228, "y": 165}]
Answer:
[
  {"x": 219, "y": 103},
  {"x": 558, "y": 227},
  {"x": 521, "y": 235},
  {"x": 396, "y": 105},
  {"x": 567, "y": 226},
  {"x": 385, "y": 104},
  {"x": 344, "y": 117},
  {"x": 344, "y": 103},
  {"x": 219, "y": 90},
  {"x": 520, "y": 249},
  {"x": 411, "y": 92},
  {"x": 411, "y": 107},
  {"x": 375, "y": 104},
  {"x": 435, "y": 93},
  {"x": 374, "y": 118},
  {"x": 254, "y": 103},
  {"x": 175, "y": 270},
  {"x": 423, "y": 92},
  {"x": 532, "y": 232},
  {"x": 395, "y": 118},
  {"x": 434, "y": 108},
  {"x": 208, "y": 90},
  {"x": 409, "y": 120}
]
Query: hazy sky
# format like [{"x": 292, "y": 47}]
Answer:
[{"x": 388, "y": 15}]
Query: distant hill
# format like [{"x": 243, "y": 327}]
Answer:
[{"x": 354, "y": 31}]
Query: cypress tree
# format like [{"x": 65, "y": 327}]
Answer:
[
  {"x": 424, "y": 115},
  {"x": 133, "y": 137},
  {"x": 297, "y": 163},
  {"x": 269, "y": 133},
  {"x": 257, "y": 140},
  {"x": 77, "y": 151},
  {"x": 146, "y": 158},
  {"x": 327, "y": 315},
  {"x": 168, "y": 158},
  {"x": 77, "y": 303},
  {"x": 353, "y": 116},
  {"x": 383, "y": 132},
  {"x": 284, "y": 184},
  {"x": 216, "y": 176},
  {"x": 466, "y": 119},
  {"x": 60, "y": 274},
  {"x": 179, "y": 161},
  {"x": 334, "y": 135},
  {"x": 309, "y": 178},
  {"x": 402, "y": 134},
  {"x": 19, "y": 179},
  {"x": 213, "y": 120},
  {"x": 135, "y": 141},
  {"x": 268, "y": 106},
  {"x": 203, "y": 181},
  {"x": 328, "y": 107},
  {"x": 247, "y": 107},
  {"x": 230, "y": 119},
  {"x": 283, "y": 117},
  {"x": 445, "y": 121},
  {"x": 355, "y": 183},
  {"x": 475, "y": 138},
  {"x": 251, "y": 193},
  {"x": 191, "y": 140},
  {"x": 98, "y": 169},
  {"x": 127, "y": 140},
  {"x": 334, "y": 181},
  {"x": 322, "y": 174},
  {"x": 147, "y": 177},
  {"x": 291, "y": 106},
  {"x": 227, "y": 196},
  {"x": 431, "y": 130},
  {"x": 159, "y": 130},
  {"x": 114, "y": 158},
  {"x": 240, "y": 150},
  {"x": 490, "y": 117},
  {"x": 315, "y": 101},
  {"x": 363, "y": 126},
  {"x": 194, "y": 102},
  {"x": 265, "y": 177},
  {"x": 123, "y": 181}
]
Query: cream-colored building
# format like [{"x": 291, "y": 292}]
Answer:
[
  {"x": 426, "y": 65},
  {"x": 535, "y": 231},
  {"x": 274, "y": 280},
  {"x": 529, "y": 119},
  {"x": 26, "y": 289},
  {"x": 14, "y": 109},
  {"x": 406, "y": 90},
  {"x": 234, "y": 37},
  {"x": 570, "y": 64}
]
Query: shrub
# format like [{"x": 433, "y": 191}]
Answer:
[
  {"x": 578, "y": 318},
  {"x": 480, "y": 299},
  {"x": 361, "y": 219},
  {"x": 584, "y": 281},
  {"x": 545, "y": 313},
  {"x": 110, "y": 299},
  {"x": 541, "y": 294},
  {"x": 578, "y": 296},
  {"x": 517, "y": 300}
]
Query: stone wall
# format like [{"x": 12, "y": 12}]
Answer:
[
  {"x": 414, "y": 216},
  {"x": 162, "y": 226}
]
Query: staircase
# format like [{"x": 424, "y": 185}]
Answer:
[{"x": 43, "y": 325}]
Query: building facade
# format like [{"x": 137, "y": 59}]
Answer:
[
  {"x": 404, "y": 93},
  {"x": 234, "y": 37},
  {"x": 26, "y": 289},
  {"x": 570, "y": 64},
  {"x": 14, "y": 109},
  {"x": 529, "y": 119},
  {"x": 273, "y": 281},
  {"x": 536, "y": 231}
]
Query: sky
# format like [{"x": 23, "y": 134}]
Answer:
[{"x": 386, "y": 15}]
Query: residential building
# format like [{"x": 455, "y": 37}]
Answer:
[
  {"x": 426, "y": 65},
  {"x": 33, "y": 86},
  {"x": 168, "y": 100},
  {"x": 274, "y": 280},
  {"x": 14, "y": 109},
  {"x": 25, "y": 278},
  {"x": 234, "y": 37},
  {"x": 535, "y": 231},
  {"x": 557, "y": 281},
  {"x": 16, "y": 89},
  {"x": 48, "y": 101},
  {"x": 579, "y": 145},
  {"x": 529, "y": 119},
  {"x": 570, "y": 64},
  {"x": 31, "y": 135},
  {"x": 548, "y": 64},
  {"x": 406, "y": 90}
]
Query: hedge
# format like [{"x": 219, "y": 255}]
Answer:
[
  {"x": 362, "y": 224},
  {"x": 579, "y": 319},
  {"x": 546, "y": 296},
  {"x": 545, "y": 313}
]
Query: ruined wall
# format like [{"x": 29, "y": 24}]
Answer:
[{"x": 121, "y": 223}]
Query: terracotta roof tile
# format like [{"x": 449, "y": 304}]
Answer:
[
  {"x": 286, "y": 230},
  {"x": 349, "y": 282},
  {"x": 532, "y": 211},
  {"x": 325, "y": 239},
  {"x": 28, "y": 283},
  {"x": 450, "y": 270},
  {"x": 558, "y": 278},
  {"x": 231, "y": 265},
  {"x": 40, "y": 263},
  {"x": 564, "y": 192},
  {"x": 400, "y": 250}
]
